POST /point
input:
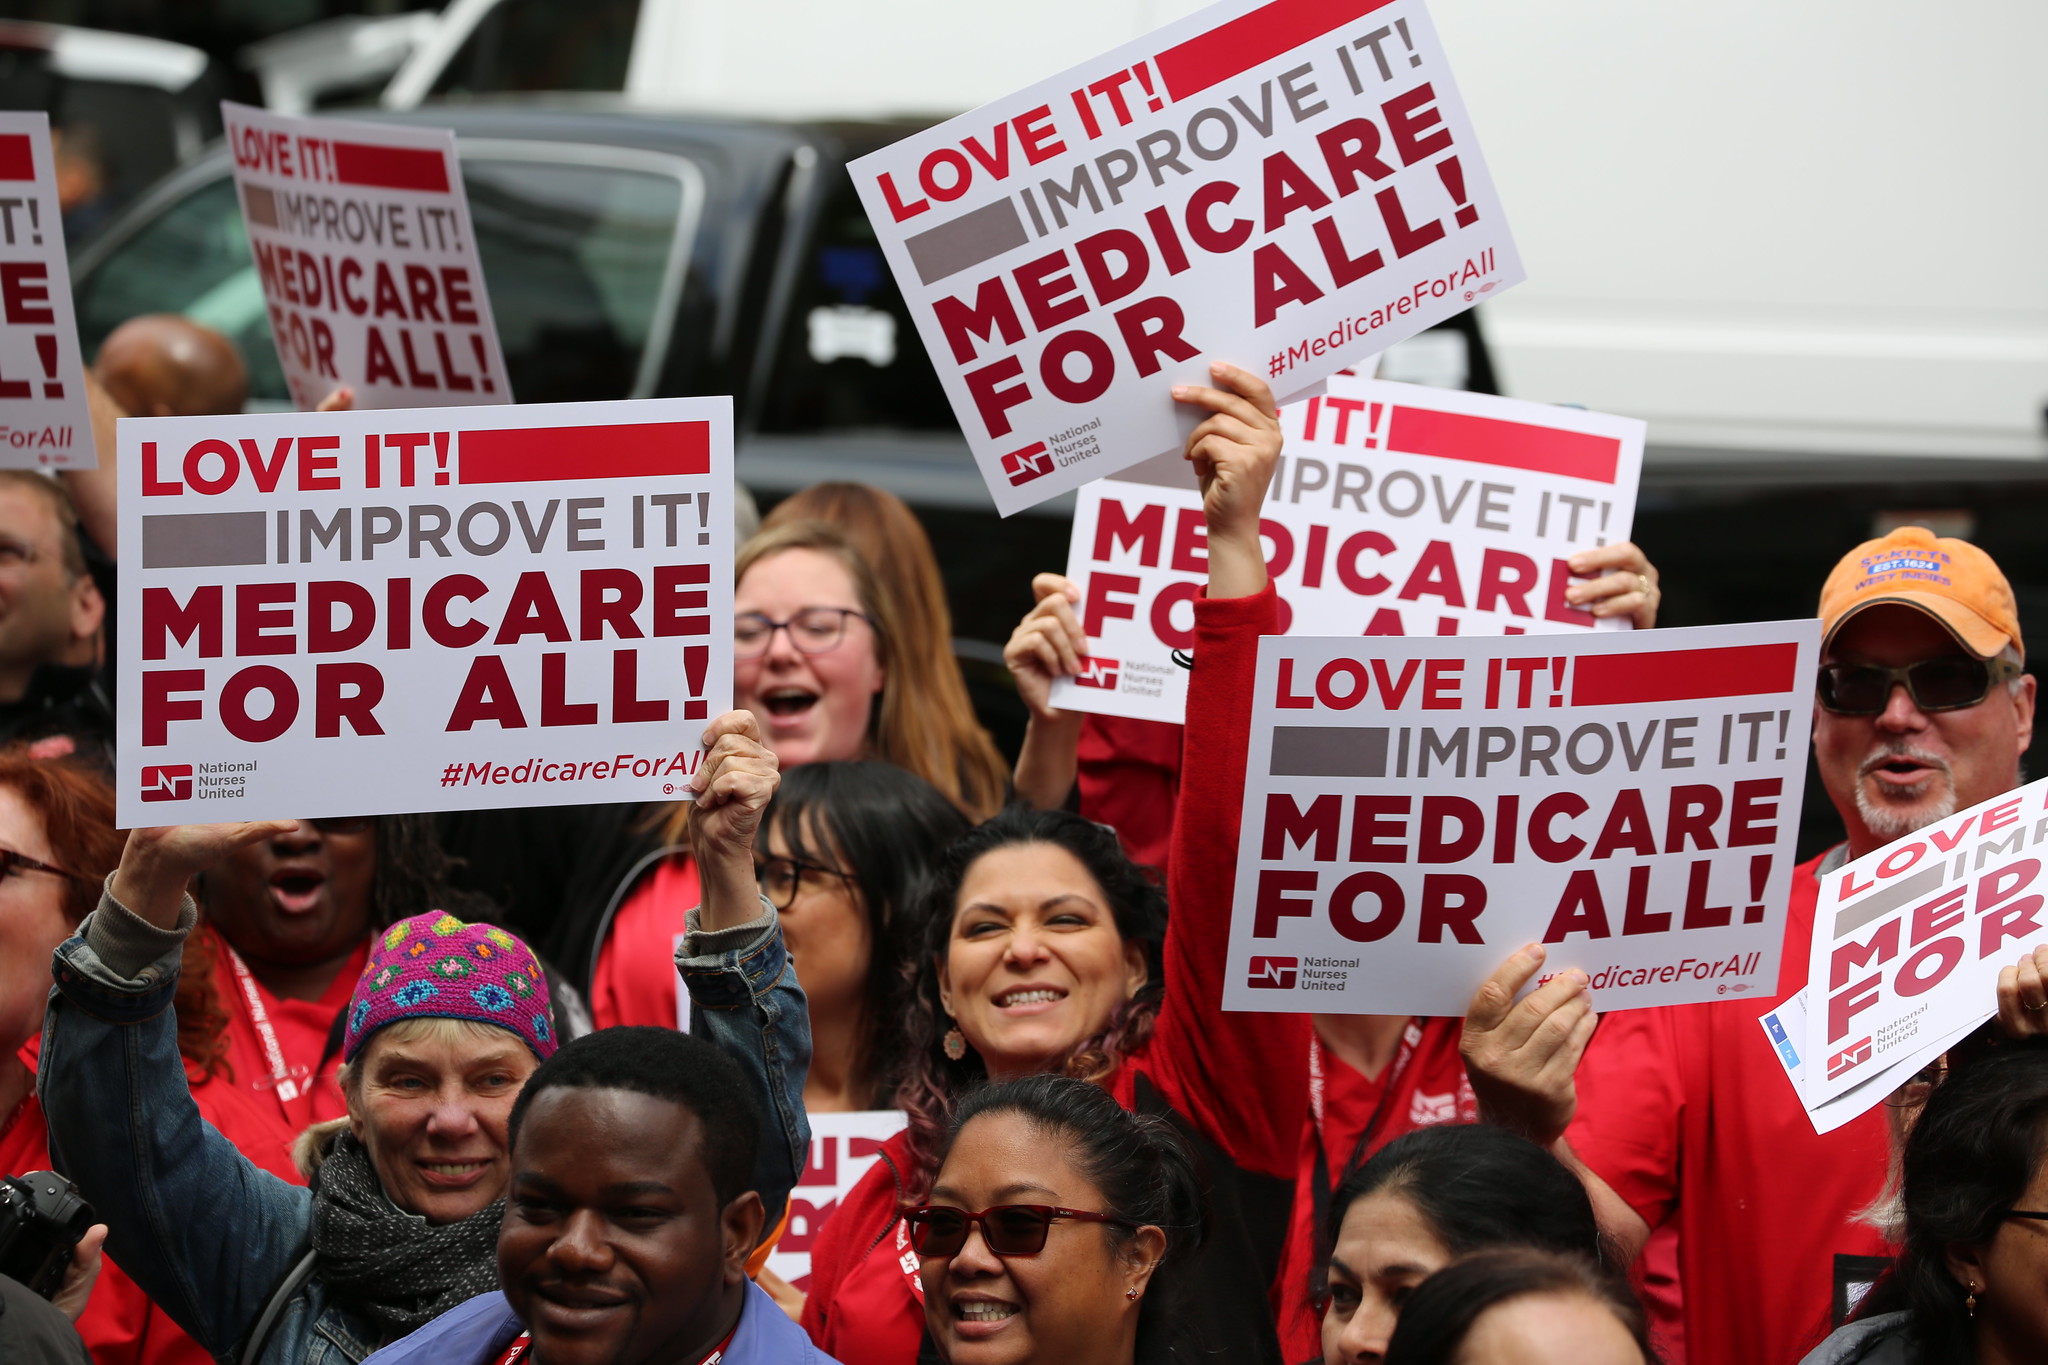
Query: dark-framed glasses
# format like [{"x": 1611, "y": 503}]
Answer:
[
  {"x": 1951, "y": 683},
  {"x": 940, "y": 1230},
  {"x": 781, "y": 878},
  {"x": 12, "y": 862},
  {"x": 814, "y": 630},
  {"x": 2034, "y": 1214}
]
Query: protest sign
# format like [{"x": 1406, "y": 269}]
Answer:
[
  {"x": 1415, "y": 810},
  {"x": 368, "y": 262},
  {"x": 437, "y": 609},
  {"x": 843, "y": 1146},
  {"x": 1395, "y": 510},
  {"x": 1285, "y": 186},
  {"x": 43, "y": 419},
  {"x": 1907, "y": 945}
]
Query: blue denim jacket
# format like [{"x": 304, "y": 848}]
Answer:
[{"x": 211, "y": 1237}]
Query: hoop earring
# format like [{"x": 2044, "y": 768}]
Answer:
[{"x": 954, "y": 1044}]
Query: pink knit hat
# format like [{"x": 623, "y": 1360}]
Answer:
[{"x": 434, "y": 966}]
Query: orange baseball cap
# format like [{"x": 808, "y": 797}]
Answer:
[{"x": 1951, "y": 580}]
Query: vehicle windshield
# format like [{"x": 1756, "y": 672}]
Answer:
[{"x": 576, "y": 258}]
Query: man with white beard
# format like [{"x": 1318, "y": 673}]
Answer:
[{"x": 1683, "y": 1113}]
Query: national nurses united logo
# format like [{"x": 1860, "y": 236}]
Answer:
[
  {"x": 168, "y": 782},
  {"x": 1097, "y": 672},
  {"x": 1849, "y": 1058},
  {"x": 1273, "y": 973},
  {"x": 1032, "y": 462}
]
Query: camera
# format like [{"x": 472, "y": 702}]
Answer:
[{"x": 42, "y": 1218}]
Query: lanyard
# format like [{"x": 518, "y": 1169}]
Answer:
[
  {"x": 524, "y": 1342},
  {"x": 288, "y": 1084},
  {"x": 907, "y": 1259}
]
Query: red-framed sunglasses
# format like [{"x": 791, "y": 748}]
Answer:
[{"x": 940, "y": 1230}]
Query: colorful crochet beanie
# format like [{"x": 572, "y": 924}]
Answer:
[{"x": 434, "y": 966}]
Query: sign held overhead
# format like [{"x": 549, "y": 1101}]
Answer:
[
  {"x": 44, "y": 423},
  {"x": 368, "y": 261},
  {"x": 1395, "y": 510},
  {"x": 1285, "y": 186},
  {"x": 1417, "y": 809},
  {"x": 368, "y": 612}
]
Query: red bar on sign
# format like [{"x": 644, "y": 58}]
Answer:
[
  {"x": 1514, "y": 445},
  {"x": 626, "y": 451},
  {"x": 390, "y": 168},
  {"x": 1251, "y": 39},
  {"x": 17, "y": 157},
  {"x": 1683, "y": 674}
]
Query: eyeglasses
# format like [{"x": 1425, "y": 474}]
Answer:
[
  {"x": 780, "y": 878},
  {"x": 2025, "y": 1213},
  {"x": 814, "y": 630},
  {"x": 12, "y": 862},
  {"x": 939, "y": 1231},
  {"x": 1949, "y": 684}
]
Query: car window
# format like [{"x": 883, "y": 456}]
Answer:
[
  {"x": 850, "y": 354},
  {"x": 544, "y": 45},
  {"x": 576, "y": 257}
]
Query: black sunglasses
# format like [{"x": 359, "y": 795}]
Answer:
[
  {"x": 1947, "y": 684},
  {"x": 12, "y": 862},
  {"x": 939, "y": 1231}
]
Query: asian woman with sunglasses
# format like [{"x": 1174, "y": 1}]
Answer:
[{"x": 1057, "y": 1230}]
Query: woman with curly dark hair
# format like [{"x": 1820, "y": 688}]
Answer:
[{"x": 1048, "y": 951}]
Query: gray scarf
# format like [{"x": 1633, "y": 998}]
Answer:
[{"x": 393, "y": 1267}]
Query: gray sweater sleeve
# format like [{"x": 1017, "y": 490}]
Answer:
[{"x": 125, "y": 942}]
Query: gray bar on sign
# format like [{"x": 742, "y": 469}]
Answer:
[
  {"x": 1878, "y": 904},
  {"x": 260, "y": 204},
  {"x": 1328, "y": 751},
  {"x": 202, "y": 540},
  {"x": 968, "y": 240}
]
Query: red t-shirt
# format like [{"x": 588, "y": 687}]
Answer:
[
  {"x": 1129, "y": 775},
  {"x": 1686, "y": 1111},
  {"x": 1423, "y": 1085},
  {"x": 635, "y": 979}
]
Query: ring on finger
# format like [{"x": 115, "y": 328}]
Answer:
[
  {"x": 2042, "y": 1006},
  {"x": 1643, "y": 584}
]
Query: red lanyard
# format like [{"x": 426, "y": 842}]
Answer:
[{"x": 290, "y": 1082}]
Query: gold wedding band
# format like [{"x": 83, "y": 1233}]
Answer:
[
  {"x": 1643, "y": 584},
  {"x": 2042, "y": 1006}
]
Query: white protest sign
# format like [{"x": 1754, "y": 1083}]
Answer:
[
  {"x": 1285, "y": 186},
  {"x": 44, "y": 423},
  {"x": 1415, "y": 810},
  {"x": 1907, "y": 945},
  {"x": 436, "y": 609},
  {"x": 843, "y": 1146},
  {"x": 368, "y": 262},
  {"x": 1395, "y": 510}
]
